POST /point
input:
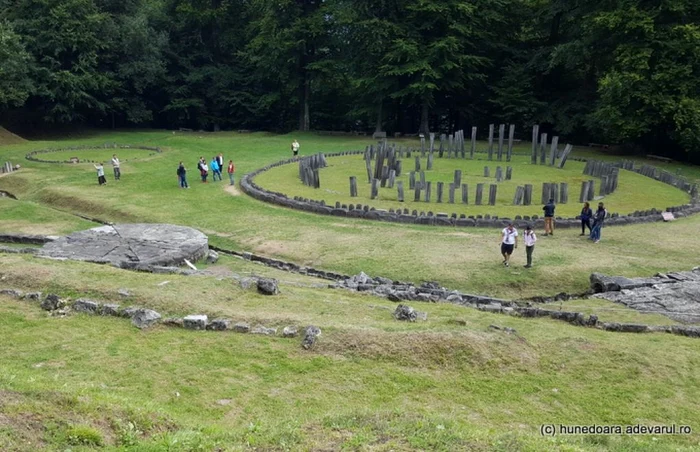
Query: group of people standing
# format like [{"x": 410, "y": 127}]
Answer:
[
  {"x": 101, "y": 180},
  {"x": 216, "y": 165},
  {"x": 509, "y": 235}
]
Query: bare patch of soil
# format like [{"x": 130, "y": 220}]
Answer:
[{"x": 232, "y": 190}]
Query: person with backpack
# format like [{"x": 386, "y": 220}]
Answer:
[
  {"x": 598, "y": 220},
  {"x": 549, "y": 217},
  {"x": 182, "y": 176},
  {"x": 586, "y": 215},
  {"x": 203, "y": 169},
  {"x": 231, "y": 170}
]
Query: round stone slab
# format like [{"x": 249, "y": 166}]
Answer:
[{"x": 129, "y": 245}]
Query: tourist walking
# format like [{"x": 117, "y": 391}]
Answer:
[
  {"x": 530, "y": 239},
  {"x": 100, "y": 173},
  {"x": 182, "y": 176},
  {"x": 509, "y": 241},
  {"x": 295, "y": 148},
  {"x": 598, "y": 220},
  {"x": 586, "y": 215},
  {"x": 220, "y": 161},
  {"x": 115, "y": 165},
  {"x": 549, "y": 217},
  {"x": 215, "y": 169},
  {"x": 231, "y": 170}
]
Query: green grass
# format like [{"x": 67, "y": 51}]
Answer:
[
  {"x": 635, "y": 192},
  {"x": 372, "y": 383},
  {"x": 450, "y": 383}
]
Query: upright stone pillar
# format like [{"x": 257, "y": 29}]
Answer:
[
  {"x": 493, "y": 188},
  {"x": 479, "y": 194},
  {"x": 353, "y": 186}
]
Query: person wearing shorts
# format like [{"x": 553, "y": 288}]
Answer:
[{"x": 509, "y": 241}]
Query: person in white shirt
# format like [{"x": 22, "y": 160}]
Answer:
[
  {"x": 100, "y": 173},
  {"x": 530, "y": 239},
  {"x": 509, "y": 241},
  {"x": 295, "y": 147},
  {"x": 115, "y": 165}
]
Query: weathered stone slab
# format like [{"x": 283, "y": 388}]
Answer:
[
  {"x": 195, "y": 322},
  {"x": 129, "y": 244}
]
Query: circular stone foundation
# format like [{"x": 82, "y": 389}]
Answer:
[{"x": 131, "y": 245}]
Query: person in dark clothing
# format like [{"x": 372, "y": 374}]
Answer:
[
  {"x": 586, "y": 215},
  {"x": 182, "y": 176},
  {"x": 549, "y": 217},
  {"x": 598, "y": 220}
]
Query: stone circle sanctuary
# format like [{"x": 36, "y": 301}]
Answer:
[{"x": 404, "y": 173}]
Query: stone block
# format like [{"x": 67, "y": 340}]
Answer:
[{"x": 195, "y": 322}]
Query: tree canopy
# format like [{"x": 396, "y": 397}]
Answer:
[{"x": 615, "y": 71}]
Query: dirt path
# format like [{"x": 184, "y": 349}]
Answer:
[{"x": 232, "y": 190}]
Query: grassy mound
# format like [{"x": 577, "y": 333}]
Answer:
[{"x": 7, "y": 137}]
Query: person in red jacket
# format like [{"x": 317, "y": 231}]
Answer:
[{"x": 231, "y": 170}]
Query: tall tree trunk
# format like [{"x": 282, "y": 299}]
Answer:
[
  {"x": 424, "y": 116},
  {"x": 378, "y": 127},
  {"x": 304, "y": 96}
]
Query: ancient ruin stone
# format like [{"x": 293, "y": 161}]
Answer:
[
  {"x": 52, "y": 302},
  {"x": 311, "y": 334},
  {"x": 144, "y": 318},
  {"x": 128, "y": 245},
  {"x": 11, "y": 293},
  {"x": 675, "y": 295},
  {"x": 212, "y": 257},
  {"x": 268, "y": 286},
  {"x": 87, "y": 306},
  {"x": 290, "y": 331},
  {"x": 219, "y": 324},
  {"x": 110, "y": 309},
  {"x": 195, "y": 322},
  {"x": 173, "y": 321},
  {"x": 263, "y": 330},
  {"x": 241, "y": 328},
  {"x": 124, "y": 293},
  {"x": 405, "y": 313},
  {"x": 32, "y": 296}
]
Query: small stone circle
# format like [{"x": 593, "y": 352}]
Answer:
[{"x": 125, "y": 245}]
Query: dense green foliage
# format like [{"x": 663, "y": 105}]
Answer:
[{"x": 614, "y": 71}]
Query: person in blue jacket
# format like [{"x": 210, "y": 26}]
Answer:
[
  {"x": 586, "y": 215},
  {"x": 215, "y": 168}
]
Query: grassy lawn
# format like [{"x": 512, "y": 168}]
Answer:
[{"x": 451, "y": 383}]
